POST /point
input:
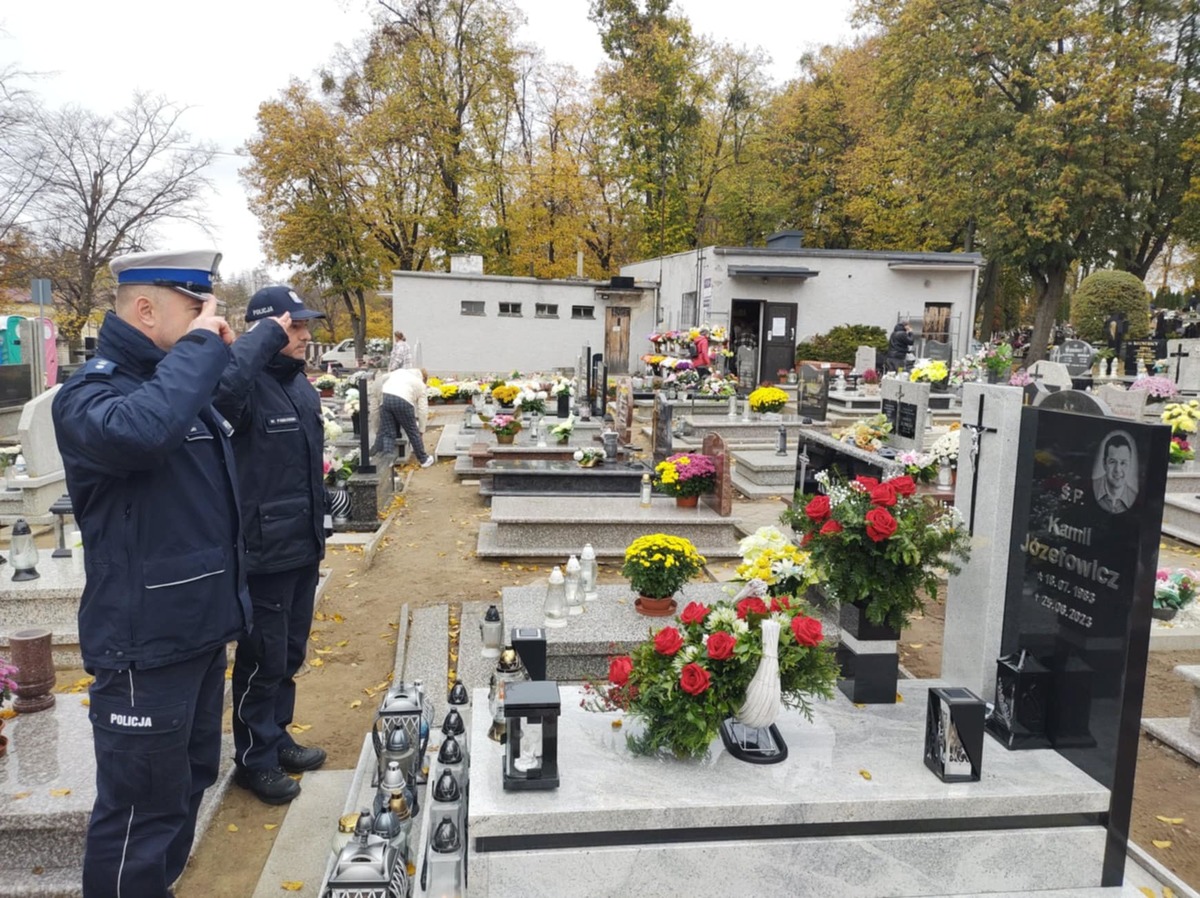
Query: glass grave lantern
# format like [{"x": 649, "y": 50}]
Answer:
[
  {"x": 555, "y": 607},
  {"x": 588, "y": 573},
  {"x": 1023, "y": 686},
  {"x": 574, "y": 586},
  {"x": 491, "y": 631},
  {"x": 404, "y": 705},
  {"x": 531, "y": 711},
  {"x": 368, "y": 867},
  {"x": 509, "y": 669},
  {"x": 23, "y": 553}
]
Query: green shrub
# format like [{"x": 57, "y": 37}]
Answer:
[
  {"x": 840, "y": 344},
  {"x": 1103, "y": 294}
]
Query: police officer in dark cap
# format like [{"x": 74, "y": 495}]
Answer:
[
  {"x": 278, "y": 440},
  {"x": 150, "y": 471}
]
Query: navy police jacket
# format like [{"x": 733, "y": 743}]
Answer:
[
  {"x": 278, "y": 440},
  {"x": 150, "y": 472}
]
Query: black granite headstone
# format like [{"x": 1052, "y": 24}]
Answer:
[
  {"x": 906, "y": 420},
  {"x": 1086, "y": 523},
  {"x": 890, "y": 409},
  {"x": 1077, "y": 355},
  {"x": 16, "y": 386},
  {"x": 813, "y": 399}
]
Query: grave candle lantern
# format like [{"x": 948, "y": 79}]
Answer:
[
  {"x": 1022, "y": 700},
  {"x": 24, "y": 554},
  {"x": 574, "y": 586},
  {"x": 589, "y": 572},
  {"x": 555, "y": 608},
  {"x": 531, "y": 713},
  {"x": 508, "y": 670},
  {"x": 954, "y": 734},
  {"x": 491, "y": 630}
]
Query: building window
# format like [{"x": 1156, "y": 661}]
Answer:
[
  {"x": 545, "y": 310},
  {"x": 471, "y": 307},
  {"x": 588, "y": 312},
  {"x": 510, "y": 309},
  {"x": 688, "y": 311}
]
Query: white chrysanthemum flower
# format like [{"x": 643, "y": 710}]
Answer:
[
  {"x": 739, "y": 627},
  {"x": 721, "y": 619}
]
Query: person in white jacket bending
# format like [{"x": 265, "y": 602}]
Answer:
[{"x": 404, "y": 406}]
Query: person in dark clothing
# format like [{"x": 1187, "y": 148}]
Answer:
[
  {"x": 278, "y": 438},
  {"x": 899, "y": 344},
  {"x": 150, "y": 472}
]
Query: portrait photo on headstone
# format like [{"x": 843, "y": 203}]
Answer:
[{"x": 1115, "y": 473}]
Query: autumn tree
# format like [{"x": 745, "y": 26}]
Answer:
[{"x": 103, "y": 184}]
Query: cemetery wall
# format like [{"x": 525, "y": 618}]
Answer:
[
  {"x": 852, "y": 287},
  {"x": 427, "y": 306}
]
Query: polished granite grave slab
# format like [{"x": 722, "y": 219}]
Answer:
[
  {"x": 608, "y": 626},
  {"x": 546, "y": 477},
  {"x": 853, "y": 810},
  {"x": 50, "y": 601}
]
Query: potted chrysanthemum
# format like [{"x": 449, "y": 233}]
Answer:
[
  {"x": 686, "y": 476},
  {"x": 767, "y": 400},
  {"x": 505, "y": 427},
  {"x": 657, "y": 565}
]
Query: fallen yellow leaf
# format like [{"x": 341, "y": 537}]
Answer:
[
  {"x": 899, "y": 699},
  {"x": 270, "y": 826},
  {"x": 229, "y": 673},
  {"x": 59, "y": 793},
  {"x": 357, "y": 703},
  {"x": 316, "y": 662},
  {"x": 324, "y": 651},
  {"x": 291, "y": 885},
  {"x": 300, "y": 727},
  {"x": 1174, "y": 821},
  {"x": 21, "y": 795},
  {"x": 859, "y": 705},
  {"x": 1168, "y": 892},
  {"x": 916, "y": 645},
  {"x": 1148, "y": 892},
  {"x": 342, "y": 644},
  {"x": 1161, "y": 843},
  {"x": 865, "y": 774},
  {"x": 231, "y": 828},
  {"x": 337, "y": 619},
  {"x": 320, "y": 615},
  {"x": 86, "y": 702}
]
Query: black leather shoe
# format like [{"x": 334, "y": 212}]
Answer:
[
  {"x": 298, "y": 758},
  {"x": 269, "y": 784}
]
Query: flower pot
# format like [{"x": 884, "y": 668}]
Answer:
[
  {"x": 651, "y": 607},
  {"x": 564, "y": 405},
  {"x": 867, "y": 657},
  {"x": 1163, "y": 613},
  {"x": 940, "y": 386},
  {"x": 505, "y": 439},
  {"x": 564, "y": 439},
  {"x": 326, "y": 394},
  {"x": 687, "y": 501}
]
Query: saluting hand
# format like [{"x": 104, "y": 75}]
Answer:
[
  {"x": 284, "y": 320},
  {"x": 209, "y": 320}
]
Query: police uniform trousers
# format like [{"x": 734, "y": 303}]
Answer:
[
  {"x": 157, "y": 736},
  {"x": 264, "y": 688},
  {"x": 396, "y": 414}
]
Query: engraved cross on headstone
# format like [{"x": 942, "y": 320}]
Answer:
[
  {"x": 977, "y": 429},
  {"x": 1178, "y": 355}
]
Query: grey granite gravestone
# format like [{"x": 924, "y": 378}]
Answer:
[
  {"x": 1183, "y": 364},
  {"x": 1129, "y": 404},
  {"x": 906, "y": 406},
  {"x": 1077, "y": 355},
  {"x": 938, "y": 351},
  {"x": 36, "y": 433},
  {"x": 864, "y": 359},
  {"x": 975, "y": 596},
  {"x": 812, "y": 399},
  {"x": 661, "y": 428},
  {"x": 623, "y": 411},
  {"x": 1053, "y": 375}
]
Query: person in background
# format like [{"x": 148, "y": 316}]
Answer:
[
  {"x": 402, "y": 356},
  {"x": 403, "y": 407},
  {"x": 150, "y": 471},
  {"x": 278, "y": 440},
  {"x": 703, "y": 361},
  {"x": 899, "y": 345}
]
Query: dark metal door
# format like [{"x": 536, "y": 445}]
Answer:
[{"x": 779, "y": 340}]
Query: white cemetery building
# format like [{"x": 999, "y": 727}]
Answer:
[{"x": 467, "y": 321}]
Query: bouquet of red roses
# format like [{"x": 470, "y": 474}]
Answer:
[
  {"x": 879, "y": 543},
  {"x": 689, "y": 677}
]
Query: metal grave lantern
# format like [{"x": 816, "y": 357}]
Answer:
[
  {"x": 403, "y": 705},
  {"x": 23, "y": 553},
  {"x": 1023, "y": 686},
  {"x": 508, "y": 670},
  {"x": 453, "y": 725},
  {"x": 459, "y": 695},
  {"x": 443, "y": 872},
  {"x": 954, "y": 734},
  {"x": 368, "y": 867},
  {"x": 531, "y": 745},
  {"x": 398, "y": 749},
  {"x": 395, "y": 786},
  {"x": 530, "y": 644},
  {"x": 491, "y": 631}
]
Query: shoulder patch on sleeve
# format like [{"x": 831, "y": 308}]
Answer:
[{"x": 99, "y": 367}]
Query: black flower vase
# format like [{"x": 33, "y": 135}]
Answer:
[
  {"x": 564, "y": 405},
  {"x": 867, "y": 656},
  {"x": 354, "y": 422}
]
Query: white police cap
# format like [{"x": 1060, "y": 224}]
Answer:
[{"x": 190, "y": 272}]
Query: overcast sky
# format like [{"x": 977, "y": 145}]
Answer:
[{"x": 224, "y": 57}]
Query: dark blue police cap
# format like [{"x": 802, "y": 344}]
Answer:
[{"x": 273, "y": 301}]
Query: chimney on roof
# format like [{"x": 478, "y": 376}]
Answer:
[{"x": 790, "y": 239}]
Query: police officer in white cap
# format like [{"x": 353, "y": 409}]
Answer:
[
  {"x": 150, "y": 471},
  {"x": 278, "y": 440}
]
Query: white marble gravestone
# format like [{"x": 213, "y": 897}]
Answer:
[
  {"x": 864, "y": 359},
  {"x": 975, "y": 596},
  {"x": 36, "y": 433},
  {"x": 906, "y": 406},
  {"x": 1183, "y": 364},
  {"x": 1123, "y": 403},
  {"x": 1051, "y": 374}
]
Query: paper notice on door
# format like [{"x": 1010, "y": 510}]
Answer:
[{"x": 778, "y": 327}]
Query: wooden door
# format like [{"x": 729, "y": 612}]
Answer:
[
  {"x": 936, "y": 323},
  {"x": 616, "y": 339},
  {"x": 779, "y": 340}
]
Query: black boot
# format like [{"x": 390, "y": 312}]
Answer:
[
  {"x": 298, "y": 758},
  {"x": 270, "y": 784}
]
